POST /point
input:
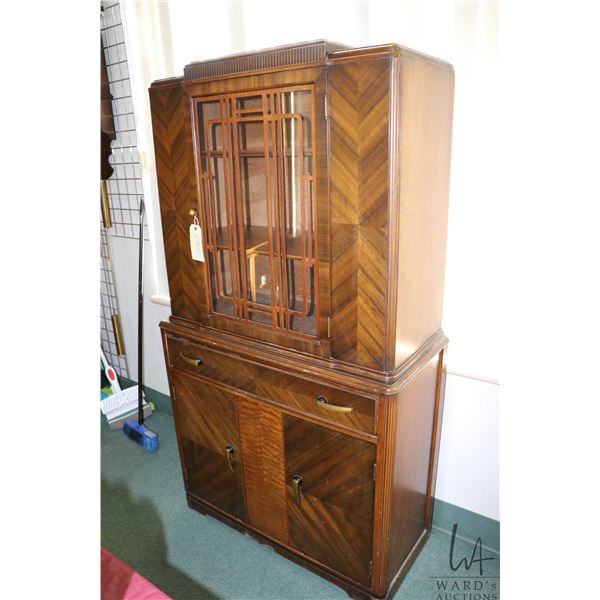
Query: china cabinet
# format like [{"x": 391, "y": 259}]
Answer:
[{"x": 304, "y": 196}]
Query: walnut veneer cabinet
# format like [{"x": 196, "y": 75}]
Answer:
[{"x": 304, "y": 350}]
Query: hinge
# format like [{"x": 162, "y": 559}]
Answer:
[
  {"x": 374, "y": 471},
  {"x": 326, "y": 106},
  {"x": 185, "y": 476},
  {"x": 370, "y": 568},
  {"x": 328, "y": 327}
]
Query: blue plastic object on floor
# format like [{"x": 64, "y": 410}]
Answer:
[{"x": 141, "y": 434}]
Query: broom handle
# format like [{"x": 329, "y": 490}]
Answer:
[{"x": 141, "y": 317}]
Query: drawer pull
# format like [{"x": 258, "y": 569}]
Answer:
[
  {"x": 297, "y": 483},
  {"x": 230, "y": 450},
  {"x": 195, "y": 361},
  {"x": 322, "y": 402}
]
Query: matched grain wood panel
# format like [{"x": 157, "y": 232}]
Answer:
[
  {"x": 333, "y": 522},
  {"x": 207, "y": 424},
  {"x": 302, "y": 395},
  {"x": 412, "y": 446},
  {"x": 382, "y": 158},
  {"x": 261, "y": 433},
  {"x": 359, "y": 101},
  {"x": 173, "y": 152},
  {"x": 283, "y": 388},
  {"x": 213, "y": 365}
]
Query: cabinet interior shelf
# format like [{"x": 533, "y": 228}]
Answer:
[{"x": 257, "y": 240}]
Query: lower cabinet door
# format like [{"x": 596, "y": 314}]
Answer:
[
  {"x": 330, "y": 493},
  {"x": 207, "y": 423}
]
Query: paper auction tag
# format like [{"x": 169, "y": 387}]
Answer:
[{"x": 196, "y": 242}]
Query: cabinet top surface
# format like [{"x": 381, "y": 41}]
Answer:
[{"x": 291, "y": 55}]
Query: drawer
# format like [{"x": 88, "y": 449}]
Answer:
[
  {"x": 331, "y": 404},
  {"x": 309, "y": 397},
  {"x": 198, "y": 360}
]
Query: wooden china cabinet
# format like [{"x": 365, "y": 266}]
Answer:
[{"x": 304, "y": 350}]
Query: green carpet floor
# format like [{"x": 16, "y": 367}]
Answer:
[{"x": 146, "y": 523}]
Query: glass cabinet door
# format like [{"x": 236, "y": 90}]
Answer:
[{"x": 256, "y": 168}]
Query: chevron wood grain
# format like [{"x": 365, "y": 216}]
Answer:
[
  {"x": 176, "y": 188},
  {"x": 207, "y": 423},
  {"x": 302, "y": 395},
  {"x": 212, "y": 365},
  {"x": 336, "y": 496},
  {"x": 359, "y": 100},
  {"x": 355, "y": 411}
]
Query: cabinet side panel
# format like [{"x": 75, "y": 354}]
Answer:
[
  {"x": 411, "y": 464},
  {"x": 173, "y": 151},
  {"x": 261, "y": 434},
  {"x": 359, "y": 106},
  {"x": 423, "y": 148}
]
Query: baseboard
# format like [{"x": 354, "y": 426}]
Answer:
[
  {"x": 160, "y": 400},
  {"x": 470, "y": 525}
]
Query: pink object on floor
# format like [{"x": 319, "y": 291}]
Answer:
[{"x": 121, "y": 582}]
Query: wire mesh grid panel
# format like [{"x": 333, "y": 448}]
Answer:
[
  {"x": 125, "y": 184},
  {"x": 109, "y": 307}
]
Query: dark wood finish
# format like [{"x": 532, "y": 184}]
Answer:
[
  {"x": 361, "y": 508},
  {"x": 331, "y": 517},
  {"x": 207, "y": 424},
  {"x": 187, "y": 278},
  {"x": 212, "y": 365},
  {"x": 436, "y": 437},
  {"x": 303, "y": 395},
  {"x": 317, "y": 399},
  {"x": 422, "y": 146},
  {"x": 176, "y": 188},
  {"x": 261, "y": 432},
  {"x": 353, "y": 377},
  {"x": 359, "y": 104},
  {"x": 353, "y": 590},
  {"x": 414, "y": 429}
]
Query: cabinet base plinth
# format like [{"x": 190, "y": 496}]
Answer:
[{"x": 353, "y": 591}]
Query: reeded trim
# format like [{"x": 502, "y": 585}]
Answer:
[{"x": 269, "y": 58}]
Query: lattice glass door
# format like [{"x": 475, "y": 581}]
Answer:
[{"x": 256, "y": 168}]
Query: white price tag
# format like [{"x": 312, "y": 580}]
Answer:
[{"x": 196, "y": 242}]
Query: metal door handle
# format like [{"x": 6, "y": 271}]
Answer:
[
  {"x": 297, "y": 483},
  {"x": 196, "y": 361},
  {"x": 322, "y": 402},
  {"x": 230, "y": 451}
]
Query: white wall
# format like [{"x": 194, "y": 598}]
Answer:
[
  {"x": 166, "y": 36},
  {"x": 125, "y": 267},
  {"x": 468, "y": 465}
]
